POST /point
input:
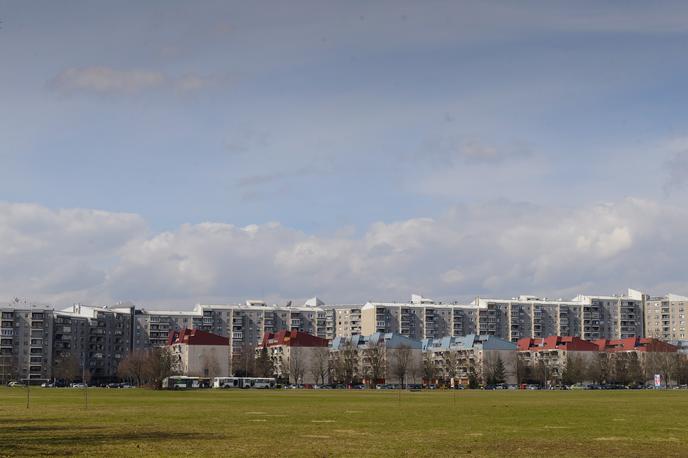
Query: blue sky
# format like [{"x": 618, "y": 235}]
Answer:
[{"x": 330, "y": 119}]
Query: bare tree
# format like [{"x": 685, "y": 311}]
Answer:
[
  {"x": 349, "y": 362},
  {"x": 133, "y": 367},
  {"x": 540, "y": 372},
  {"x": 319, "y": 364},
  {"x": 297, "y": 364},
  {"x": 401, "y": 363},
  {"x": 593, "y": 370},
  {"x": 416, "y": 369},
  {"x": 451, "y": 359},
  {"x": 244, "y": 360},
  {"x": 663, "y": 363},
  {"x": 429, "y": 367},
  {"x": 263, "y": 364},
  {"x": 159, "y": 366},
  {"x": 573, "y": 370},
  {"x": 66, "y": 367},
  {"x": 523, "y": 370},
  {"x": 375, "y": 355},
  {"x": 8, "y": 367},
  {"x": 682, "y": 369}
]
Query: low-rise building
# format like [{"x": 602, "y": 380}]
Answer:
[
  {"x": 378, "y": 358},
  {"x": 460, "y": 358},
  {"x": 297, "y": 356},
  {"x": 198, "y": 353},
  {"x": 552, "y": 354}
]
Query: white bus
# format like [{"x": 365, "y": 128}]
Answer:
[
  {"x": 180, "y": 382},
  {"x": 244, "y": 382}
]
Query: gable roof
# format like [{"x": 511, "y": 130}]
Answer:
[
  {"x": 293, "y": 339},
  {"x": 195, "y": 337}
]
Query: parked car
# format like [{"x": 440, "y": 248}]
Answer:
[
  {"x": 79, "y": 385},
  {"x": 47, "y": 385},
  {"x": 16, "y": 384}
]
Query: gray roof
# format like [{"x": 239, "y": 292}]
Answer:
[
  {"x": 468, "y": 342},
  {"x": 389, "y": 340}
]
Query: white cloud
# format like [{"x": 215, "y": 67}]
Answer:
[{"x": 500, "y": 249}]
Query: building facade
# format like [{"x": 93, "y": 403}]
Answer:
[
  {"x": 26, "y": 332},
  {"x": 297, "y": 356},
  {"x": 377, "y": 358},
  {"x": 421, "y": 318},
  {"x": 665, "y": 317},
  {"x": 197, "y": 353},
  {"x": 458, "y": 357}
]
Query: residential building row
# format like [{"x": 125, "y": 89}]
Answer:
[{"x": 35, "y": 338}]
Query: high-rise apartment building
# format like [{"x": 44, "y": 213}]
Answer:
[
  {"x": 421, "y": 318},
  {"x": 26, "y": 332},
  {"x": 665, "y": 317}
]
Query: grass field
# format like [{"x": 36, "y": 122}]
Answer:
[{"x": 336, "y": 423}]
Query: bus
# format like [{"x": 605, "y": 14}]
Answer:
[
  {"x": 244, "y": 382},
  {"x": 181, "y": 382}
]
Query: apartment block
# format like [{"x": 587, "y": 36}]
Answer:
[
  {"x": 26, "y": 332},
  {"x": 612, "y": 317},
  {"x": 421, "y": 318},
  {"x": 587, "y": 317},
  {"x": 528, "y": 316},
  {"x": 665, "y": 317},
  {"x": 343, "y": 320},
  {"x": 100, "y": 337}
]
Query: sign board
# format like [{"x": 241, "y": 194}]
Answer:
[{"x": 658, "y": 381}]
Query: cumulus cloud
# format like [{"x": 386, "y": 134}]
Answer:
[
  {"x": 499, "y": 249},
  {"x": 107, "y": 80}
]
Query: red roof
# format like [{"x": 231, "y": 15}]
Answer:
[
  {"x": 635, "y": 343},
  {"x": 293, "y": 339},
  {"x": 195, "y": 337},
  {"x": 568, "y": 343}
]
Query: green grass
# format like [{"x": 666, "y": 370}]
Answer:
[{"x": 336, "y": 423}]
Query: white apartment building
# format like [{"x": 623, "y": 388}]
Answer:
[{"x": 421, "y": 318}]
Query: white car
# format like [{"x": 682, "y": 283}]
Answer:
[{"x": 78, "y": 385}]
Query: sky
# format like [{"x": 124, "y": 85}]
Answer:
[{"x": 170, "y": 153}]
